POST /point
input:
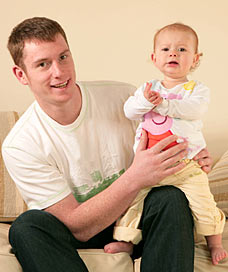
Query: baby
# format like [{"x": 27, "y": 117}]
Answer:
[{"x": 174, "y": 106}]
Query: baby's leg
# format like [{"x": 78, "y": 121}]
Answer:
[
  {"x": 218, "y": 253},
  {"x": 116, "y": 247}
]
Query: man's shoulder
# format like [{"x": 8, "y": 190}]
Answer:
[
  {"x": 107, "y": 94},
  {"x": 108, "y": 86},
  {"x": 23, "y": 122}
]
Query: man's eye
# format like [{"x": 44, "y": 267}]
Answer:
[
  {"x": 165, "y": 49},
  {"x": 63, "y": 57},
  {"x": 182, "y": 49},
  {"x": 43, "y": 64}
]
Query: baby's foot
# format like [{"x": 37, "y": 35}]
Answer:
[
  {"x": 116, "y": 247},
  {"x": 218, "y": 254}
]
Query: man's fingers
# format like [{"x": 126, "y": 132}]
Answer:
[
  {"x": 174, "y": 150},
  {"x": 206, "y": 169},
  {"x": 204, "y": 160},
  {"x": 165, "y": 142},
  {"x": 174, "y": 169},
  {"x": 206, "y": 164},
  {"x": 143, "y": 141},
  {"x": 170, "y": 161}
]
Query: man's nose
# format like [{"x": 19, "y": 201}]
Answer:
[{"x": 56, "y": 69}]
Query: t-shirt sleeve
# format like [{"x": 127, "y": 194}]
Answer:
[{"x": 40, "y": 183}]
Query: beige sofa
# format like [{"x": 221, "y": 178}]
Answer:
[{"x": 11, "y": 205}]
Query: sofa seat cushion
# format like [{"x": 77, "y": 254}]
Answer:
[
  {"x": 8, "y": 261},
  {"x": 98, "y": 261},
  {"x": 218, "y": 179},
  {"x": 202, "y": 255},
  {"x": 95, "y": 259}
]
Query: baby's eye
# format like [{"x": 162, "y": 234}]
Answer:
[
  {"x": 182, "y": 49},
  {"x": 165, "y": 49}
]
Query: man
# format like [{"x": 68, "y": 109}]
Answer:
[{"x": 66, "y": 157}]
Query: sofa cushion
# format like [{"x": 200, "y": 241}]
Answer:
[
  {"x": 8, "y": 261},
  {"x": 11, "y": 203},
  {"x": 218, "y": 179},
  {"x": 202, "y": 255},
  {"x": 98, "y": 261}
]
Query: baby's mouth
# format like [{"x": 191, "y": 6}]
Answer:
[{"x": 173, "y": 63}]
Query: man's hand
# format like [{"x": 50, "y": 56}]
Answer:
[
  {"x": 205, "y": 160},
  {"x": 152, "y": 96},
  {"x": 151, "y": 165}
]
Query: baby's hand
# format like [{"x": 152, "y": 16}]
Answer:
[{"x": 152, "y": 96}]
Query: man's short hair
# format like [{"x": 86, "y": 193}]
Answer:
[{"x": 37, "y": 28}]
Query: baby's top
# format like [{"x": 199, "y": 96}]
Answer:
[{"x": 180, "y": 113}]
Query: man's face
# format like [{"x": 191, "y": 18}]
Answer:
[{"x": 49, "y": 72}]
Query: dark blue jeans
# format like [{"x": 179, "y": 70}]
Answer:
[{"x": 42, "y": 243}]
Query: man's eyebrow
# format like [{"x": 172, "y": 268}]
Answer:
[
  {"x": 39, "y": 61},
  {"x": 46, "y": 59},
  {"x": 65, "y": 51}
]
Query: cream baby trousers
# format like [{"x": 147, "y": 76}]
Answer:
[{"x": 193, "y": 181}]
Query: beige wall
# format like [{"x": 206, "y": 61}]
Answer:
[{"x": 112, "y": 39}]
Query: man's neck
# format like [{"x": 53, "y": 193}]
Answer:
[{"x": 65, "y": 113}]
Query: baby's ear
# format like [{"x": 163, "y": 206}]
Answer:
[
  {"x": 197, "y": 59},
  {"x": 153, "y": 57}
]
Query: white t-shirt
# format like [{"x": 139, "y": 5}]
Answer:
[
  {"x": 180, "y": 112},
  {"x": 48, "y": 161}
]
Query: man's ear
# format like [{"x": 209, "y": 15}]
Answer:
[{"x": 20, "y": 75}]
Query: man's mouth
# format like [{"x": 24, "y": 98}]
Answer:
[{"x": 60, "y": 85}]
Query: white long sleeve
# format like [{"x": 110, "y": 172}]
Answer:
[
  {"x": 137, "y": 105},
  {"x": 185, "y": 104},
  {"x": 191, "y": 107}
]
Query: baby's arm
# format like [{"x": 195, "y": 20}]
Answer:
[
  {"x": 152, "y": 96},
  {"x": 138, "y": 105},
  {"x": 191, "y": 107}
]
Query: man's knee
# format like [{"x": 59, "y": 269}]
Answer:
[
  {"x": 24, "y": 221},
  {"x": 28, "y": 223},
  {"x": 30, "y": 217},
  {"x": 167, "y": 198},
  {"x": 167, "y": 206}
]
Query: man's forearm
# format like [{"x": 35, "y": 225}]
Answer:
[{"x": 92, "y": 216}]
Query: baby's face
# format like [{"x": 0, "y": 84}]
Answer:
[{"x": 175, "y": 53}]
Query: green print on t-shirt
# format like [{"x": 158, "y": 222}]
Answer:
[{"x": 81, "y": 193}]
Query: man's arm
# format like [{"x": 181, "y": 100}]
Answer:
[{"x": 148, "y": 168}]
